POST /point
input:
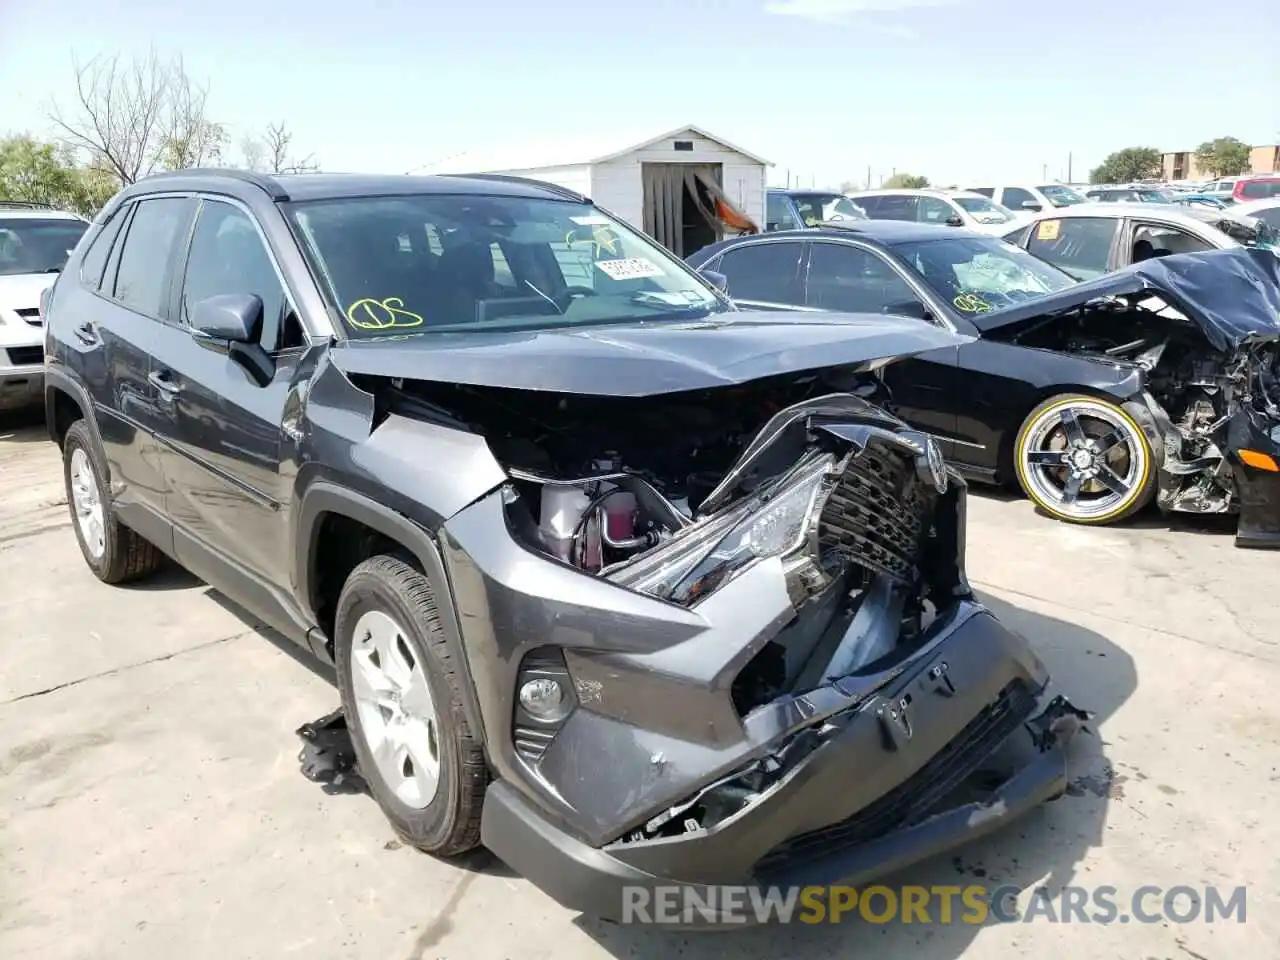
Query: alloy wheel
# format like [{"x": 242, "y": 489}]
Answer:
[
  {"x": 86, "y": 498},
  {"x": 397, "y": 713},
  {"x": 1084, "y": 459}
]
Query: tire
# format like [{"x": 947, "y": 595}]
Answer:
[
  {"x": 387, "y": 627},
  {"x": 1082, "y": 459},
  {"x": 113, "y": 552}
]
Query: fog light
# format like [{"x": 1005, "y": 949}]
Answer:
[{"x": 544, "y": 699}]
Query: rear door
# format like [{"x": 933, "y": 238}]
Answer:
[
  {"x": 223, "y": 437},
  {"x": 113, "y": 331}
]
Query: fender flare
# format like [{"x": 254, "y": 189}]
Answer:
[
  {"x": 323, "y": 497},
  {"x": 57, "y": 381}
]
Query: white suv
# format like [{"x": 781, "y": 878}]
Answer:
[
  {"x": 35, "y": 242},
  {"x": 1032, "y": 199}
]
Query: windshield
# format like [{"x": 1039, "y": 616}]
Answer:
[
  {"x": 34, "y": 245},
  {"x": 1156, "y": 196},
  {"x": 818, "y": 208},
  {"x": 978, "y": 275},
  {"x": 1061, "y": 196},
  {"x": 984, "y": 210},
  {"x": 422, "y": 264}
]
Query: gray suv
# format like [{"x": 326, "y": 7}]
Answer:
[{"x": 631, "y": 586}]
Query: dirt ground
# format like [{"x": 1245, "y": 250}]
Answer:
[{"x": 151, "y": 803}]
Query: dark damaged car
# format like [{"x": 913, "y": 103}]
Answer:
[
  {"x": 1159, "y": 382},
  {"x": 624, "y": 583}
]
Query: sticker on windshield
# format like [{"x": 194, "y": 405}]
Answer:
[
  {"x": 1048, "y": 230},
  {"x": 971, "y": 303},
  {"x": 631, "y": 269},
  {"x": 595, "y": 220},
  {"x": 387, "y": 314}
]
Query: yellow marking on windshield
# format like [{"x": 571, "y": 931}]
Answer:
[
  {"x": 387, "y": 314},
  {"x": 602, "y": 239},
  {"x": 971, "y": 303}
]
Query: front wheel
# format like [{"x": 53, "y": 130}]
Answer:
[
  {"x": 402, "y": 696},
  {"x": 1084, "y": 460}
]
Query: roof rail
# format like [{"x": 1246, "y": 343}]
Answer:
[
  {"x": 530, "y": 181},
  {"x": 27, "y": 204},
  {"x": 264, "y": 183}
]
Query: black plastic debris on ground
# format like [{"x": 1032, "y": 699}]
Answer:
[{"x": 327, "y": 756}]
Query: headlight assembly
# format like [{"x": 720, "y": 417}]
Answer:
[{"x": 780, "y": 521}]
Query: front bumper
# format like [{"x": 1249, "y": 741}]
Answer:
[
  {"x": 979, "y": 743},
  {"x": 20, "y": 386}
]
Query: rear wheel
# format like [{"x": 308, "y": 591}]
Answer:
[
  {"x": 113, "y": 552},
  {"x": 1084, "y": 460},
  {"x": 402, "y": 695}
]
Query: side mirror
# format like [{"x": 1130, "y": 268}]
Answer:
[
  {"x": 907, "y": 308},
  {"x": 1030, "y": 205},
  {"x": 231, "y": 324},
  {"x": 955, "y": 221},
  {"x": 229, "y": 318},
  {"x": 717, "y": 280}
]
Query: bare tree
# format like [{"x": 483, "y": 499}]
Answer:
[
  {"x": 278, "y": 140},
  {"x": 135, "y": 117}
]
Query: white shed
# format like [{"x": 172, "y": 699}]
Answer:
[{"x": 685, "y": 188}]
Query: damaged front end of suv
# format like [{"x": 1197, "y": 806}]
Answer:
[
  {"x": 714, "y": 605},
  {"x": 1203, "y": 331}
]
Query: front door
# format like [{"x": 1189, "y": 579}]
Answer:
[
  {"x": 223, "y": 442},
  {"x": 853, "y": 279}
]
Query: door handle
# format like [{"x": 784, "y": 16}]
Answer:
[
  {"x": 162, "y": 383},
  {"x": 86, "y": 334}
]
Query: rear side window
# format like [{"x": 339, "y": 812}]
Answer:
[
  {"x": 768, "y": 272},
  {"x": 987, "y": 192},
  {"x": 779, "y": 215},
  {"x": 1079, "y": 245},
  {"x": 1015, "y": 197},
  {"x": 893, "y": 208},
  {"x": 144, "y": 259},
  {"x": 95, "y": 258}
]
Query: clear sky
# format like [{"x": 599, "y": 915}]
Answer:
[{"x": 959, "y": 90}]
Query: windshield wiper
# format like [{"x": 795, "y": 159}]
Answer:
[{"x": 530, "y": 285}]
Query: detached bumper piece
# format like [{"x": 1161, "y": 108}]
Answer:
[
  {"x": 959, "y": 748},
  {"x": 1256, "y": 469}
]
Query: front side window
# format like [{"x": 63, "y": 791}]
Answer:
[
  {"x": 228, "y": 257},
  {"x": 37, "y": 244},
  {"x": 779, "y": 215},
  {"x": 1079, "y": 245},
  {"x": 818, "y": 208},
  {"x": 978, "y": 275},
  {"x": 765, "y": 272},
  {"x": 1015, "y": 197},
  {"x": 1061, "y": 196},
  {"x": 933, "y": 210},
  {"x": 144, "y": 257},
  {"x": 432, "y": 263},
  {"x": 848, "y": 278},
  {"x": 983, "y": 210},
  {"x": 1158, "y": 240}
]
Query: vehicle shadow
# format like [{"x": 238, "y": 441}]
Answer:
[
  {"x": 1045, "y": 848},
  {"x": 24, "y": 425}
]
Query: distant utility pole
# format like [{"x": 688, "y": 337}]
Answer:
[
  {"x": 1044, "y": 171},
  {"x": 868, "y": 176},
  {"x": 1070, "y": 178}
]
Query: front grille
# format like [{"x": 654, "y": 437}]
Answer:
[
  {"x": 915, "y": 798},
  {"x": 878, "y": 513},
  {"x": 22, "y": 356}
]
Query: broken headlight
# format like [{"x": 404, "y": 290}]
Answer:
[{"x": 779, "y": 522}]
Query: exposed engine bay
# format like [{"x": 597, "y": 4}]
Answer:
[
  {"x": 1196, "y": 388},
  {"x": 675, "y": 494}
]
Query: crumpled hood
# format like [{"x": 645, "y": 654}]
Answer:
[
  {"x": 643, "y": 359},
  {"x": 1232, "y": 295}
]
